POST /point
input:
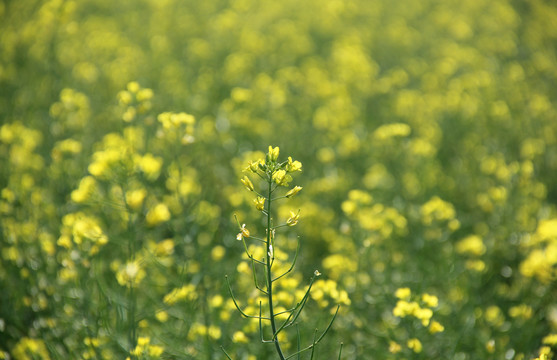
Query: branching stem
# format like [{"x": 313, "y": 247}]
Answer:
[{"x": 269, "y": 273}]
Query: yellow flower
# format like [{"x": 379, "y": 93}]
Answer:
[
  {"x": 472, "y": 245},
  {"x": 436, "y": 327},
  {"x": 155, "y": 350},
  {"x": 490, "y": 346},
  {"x": 430, "y": 300},
  {"x": 550, "y": 339},
  {"x": 415, "y": 345},
  {"x": 281, "y": 178},
  {"x": 129, "y": 114},
  {"x": 247, "y": 182},
  {"x": 158, "y": 214},
  {"x": 522, "y": 311},
  {"x": 424, "y": 315},
  {"x": 394, "y": 347},
  {"x": 404, "y": 308},
  {"x": 259, "y": 203},
  {"x": 403, "y": 293},
  {"x": 150, "y": 165},
  {"x": 130, "y": 274},
  {"x": 293, "y": 165},
  {"x": 273, "y": 153},
  {"x": 240, "y": 337},
  {"x": 124, "y": 97},
  {"x": 143, "y": 340},
  {"x": 135, "y": 198},
  {"x": 254, "y": 166},
  {"x": 216, "y": 301},
  {"x": 217, "y": 253},
  {"x": 145, "y": 94},
  {"x": 133, "y": 87},
  {"x": 85, "y": 190},
  {"x": 186, "y": 292},
  {"x": 293, "y": 219},
  {"x": 28, "y": 348},
  {"x": 293, "y": 191},
  {"x": 161, "y": 316},
  {"x": 214, "y": 332}
]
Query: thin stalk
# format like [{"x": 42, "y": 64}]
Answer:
[
  {"x": 132, "y": 301},
  {"x": 269, "y": 274}
]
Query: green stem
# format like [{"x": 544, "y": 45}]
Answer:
[
  {"x": 269, "y": 274},
  {"x": 132, "y": 301}
]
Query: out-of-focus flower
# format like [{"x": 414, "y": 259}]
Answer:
[{"x": 157, "y": 215}]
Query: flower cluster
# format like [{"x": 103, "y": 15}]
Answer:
[{"x": 408, "y": 306}]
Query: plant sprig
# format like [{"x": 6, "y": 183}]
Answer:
[{"x": 275, "y": 175}]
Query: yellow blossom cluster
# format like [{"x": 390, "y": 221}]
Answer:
[
  {"x": 135, "y": 100},
  {"x": 473, "y": 247},
  {"x": 83, "y": 231},
  {"x": 177, "y": 126},
  {"x": 131, "y": 273},
  {"x": 145, "y": 349},
  {"x": 542, "y": 252},
  {"x": 29, "y": 348},
  {"x": 422, "y": 310},
  {"x": 186, "y": 292},
  {"x": 326, "y": 291}
]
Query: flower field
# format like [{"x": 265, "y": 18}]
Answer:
[{"x": 353, "y": 179}]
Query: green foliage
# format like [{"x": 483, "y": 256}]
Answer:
[{"x": 427, "y": 133}]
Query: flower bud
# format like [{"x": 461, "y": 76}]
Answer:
[
  {"x": 293, "y": 191},
  {"x": 247, "y": 182},
  {"x": 273, "y": 153}
]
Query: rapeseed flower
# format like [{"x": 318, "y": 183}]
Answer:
[
  {"x": 273, "y": 154},
  {"x": 150, "y": 165},
  {"x": 436, "y": 327},
  {"x": 280, "y": 177},
  {"x": 293, "y": 191},
  {"x": 403, "y": 293},
  {"x": 394, "y": 347},
  {"x": 131, "y": 274},
  {"x": 293, "y": 166},
  {"x": 550, "y": 339},
  {"x": 186, "y": 292},
  {"x": 472, "y": 245},
  {"x": 415, "y": 345},
  {"x": 240, "y": 337},
  {"x": 217, "y": 253},
  {"x": 247, "y": 182},
  {"x": 157, "y": 214},
  {"x": 293, "y": 219},
  {"x": 134, "y": 198},
  {"x": 86, "y": 188},
  {"x": 259, "y": 203},
  {"x": 430, "y": 300}
]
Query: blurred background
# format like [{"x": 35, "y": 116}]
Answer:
[{"x": 427, "y": 131}]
